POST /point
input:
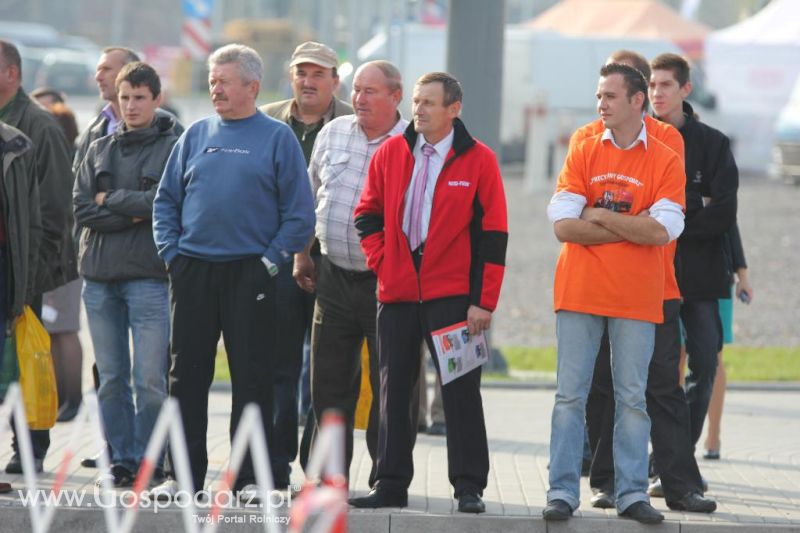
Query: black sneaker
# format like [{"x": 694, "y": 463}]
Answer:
[
  {"x": 471, "y": 503},
  {"x": 120, "y": 477},
  {"x": 642, "y": 512},
  {"x": 557, "y": 510},
  {"x": 693, "y": 502},
  {"x": 14, "y": 465}
]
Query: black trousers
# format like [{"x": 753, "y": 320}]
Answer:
[
  {"x": 703, "y": 330},
  {"x": 296, "y": 310},
  {"x": 673, "y": 449},
  {"x": 237, "y": 299},
  {"x": 343, "y": 316},
  {"x": 401, "y": 329}
]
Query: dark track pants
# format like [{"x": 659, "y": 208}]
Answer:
[{"x": 237, "y": 299}]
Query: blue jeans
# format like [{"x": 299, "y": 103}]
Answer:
[
  {"x": 631, "y": 342},
  {"x": 112, "y": 309}
]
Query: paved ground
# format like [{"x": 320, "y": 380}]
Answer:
[{"x": 757, "y": 483}]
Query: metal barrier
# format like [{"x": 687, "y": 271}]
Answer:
[{"x": 326, "y": 464}]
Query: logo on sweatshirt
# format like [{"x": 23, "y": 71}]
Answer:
[
  {"x": 698, "y": 177},
  {"x": 458, "y": 183},
  {"x": 215, "y": 149}
]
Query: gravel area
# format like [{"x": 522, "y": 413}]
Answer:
[{"x": 769, "y": 220}]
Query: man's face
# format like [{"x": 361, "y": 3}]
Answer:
[
  {"x": 431, "y": 117},
  {"x": 375, "y": 105},
  {"x": 666, "y": 95},
  {"x": 614, "y": 105},
  {"x": 313, "y": 85},
  {"x": 232, "y": 96},
  {"x": 108, "y": 67},
  {"x": 137, "y": 105}
]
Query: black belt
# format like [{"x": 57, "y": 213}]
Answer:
[{"x": 353, "y": 275}]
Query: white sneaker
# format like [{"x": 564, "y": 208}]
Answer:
[
  {"x": 166, "y": 491},
  {"x": 250, "y": 494}
]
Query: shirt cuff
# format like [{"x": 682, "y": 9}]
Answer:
[
  {"x": 670, "y": 215},
  {"x": 565, "y": 205}
]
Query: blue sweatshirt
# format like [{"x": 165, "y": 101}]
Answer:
[{"x": 233, "y": 189}]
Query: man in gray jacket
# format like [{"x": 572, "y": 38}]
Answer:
[
  {"x": 56, "y": 260},
  {"x": 125, "y": 287}
]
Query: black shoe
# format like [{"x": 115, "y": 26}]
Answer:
[
  {"x": 120, "y": 477},
  {"x": 379, "y": 497},
  {"x": 14, "y": 465},
  {"x": 437, "y": 428},
  {"x": 94, "y": 460},
  {"x": 422, "y": 427},
  {"x": 471, "y": 503},
  {"x": 557, "y": 510},
  {"x": 603, "y": 499},
  {"x": 655, "y": 490},
  {"x": 643, "y": 512},
  {"x": 712, "y": 455},
  {"x": 694, "y": 502}
]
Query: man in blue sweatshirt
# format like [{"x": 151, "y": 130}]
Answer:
[{"x": 233, "y": 205}]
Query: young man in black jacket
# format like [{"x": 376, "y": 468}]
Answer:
[
  {"x": 125, "y": 287},
  {"x": 712, "y": 181}
]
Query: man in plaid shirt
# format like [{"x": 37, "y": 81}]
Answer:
[{"x": 346, "y": 302}]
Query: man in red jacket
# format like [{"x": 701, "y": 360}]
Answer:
[{"x": 432, "y": 222}]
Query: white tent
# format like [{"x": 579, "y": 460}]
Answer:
[{"x": 751, "y": 67}]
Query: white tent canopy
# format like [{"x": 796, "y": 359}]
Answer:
[{"x": 752, "y": 67}]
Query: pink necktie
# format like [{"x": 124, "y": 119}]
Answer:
[{"x": 418, "y": 198}]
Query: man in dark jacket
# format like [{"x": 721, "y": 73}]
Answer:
[
  {"x": 20, "y": 229},
  {"x": 314, "y": 82},
  {"x": 712, "y": 181},
  {"x": 125, "y": 287},
  {"x": 56, "y": 260}
]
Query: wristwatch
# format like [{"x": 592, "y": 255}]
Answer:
[{"x": 272, "y": 268}]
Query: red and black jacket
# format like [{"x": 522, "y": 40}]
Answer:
[{"x": 466, "y": 245}]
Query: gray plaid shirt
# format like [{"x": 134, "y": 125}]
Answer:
[{"x": 338, "y": 170}]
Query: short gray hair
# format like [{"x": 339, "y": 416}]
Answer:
[
  {"x": 251, "y": 67},
  {"x": 394, "y": 80}
]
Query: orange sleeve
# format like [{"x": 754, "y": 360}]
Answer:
[
  {"x": 672, "y": 186},
  {"x": 572, "y": 176}
]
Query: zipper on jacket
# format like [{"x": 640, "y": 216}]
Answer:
[{"x": 422, "y": 258}]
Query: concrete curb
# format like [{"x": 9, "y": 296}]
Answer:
[{"x": 69, "y": 520}]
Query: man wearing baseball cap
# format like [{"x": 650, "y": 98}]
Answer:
[{"x": 312, "y": 71}]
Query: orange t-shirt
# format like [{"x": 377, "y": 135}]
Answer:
[
  {"x": 669, "y": 135},
  {"x": 622, "y": 279}
]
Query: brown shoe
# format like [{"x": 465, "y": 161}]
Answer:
[{"x": 5, "y": 488}]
